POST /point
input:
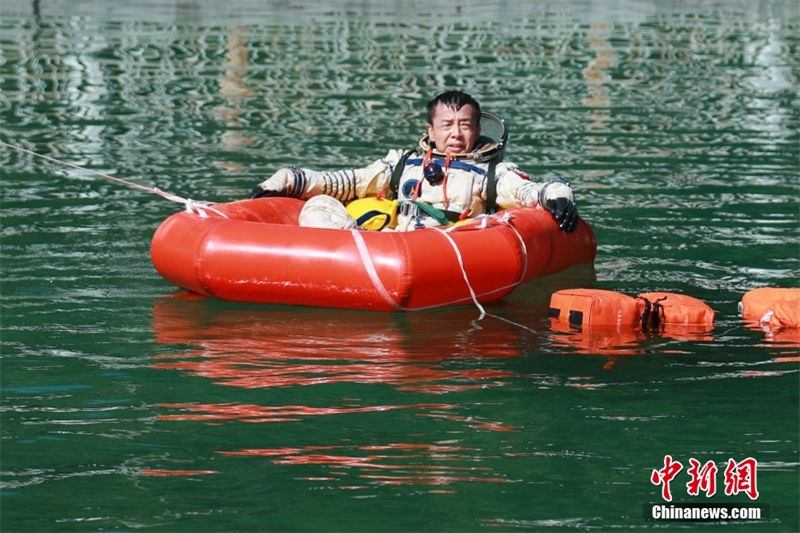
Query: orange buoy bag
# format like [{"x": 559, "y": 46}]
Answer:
[
  {"x": 663, "y": 309},
  {"x": 594, "y": 307},
  {"x": 773, "y": 307}
]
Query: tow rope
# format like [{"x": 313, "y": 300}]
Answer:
[{"x": 192, "y": 206}]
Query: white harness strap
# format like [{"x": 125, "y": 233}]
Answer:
[
  {"x": 369, "y": 266},
  {"x": 504, "y": 217}
]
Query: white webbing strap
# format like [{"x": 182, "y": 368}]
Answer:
[
  {"x": 369, "y": 266},
  {"x": 505, "y": 217},
  {"x": 764, "y": 323}
]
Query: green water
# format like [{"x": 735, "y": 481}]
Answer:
[{"x": 127, "y": 405}]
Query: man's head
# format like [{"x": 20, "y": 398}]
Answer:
[{"x": 454, "y": 122}]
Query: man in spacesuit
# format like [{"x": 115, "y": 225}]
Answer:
[{"x": 454, "y": 174}]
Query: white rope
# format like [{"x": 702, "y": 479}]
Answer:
[
  {"x": 376, "y": 281},
  {"x": 192, "y": 206},
  {"x": 482, "y": 222},
  {"x": 463, "y": 271},
  {"x": 504, "y": 217}
]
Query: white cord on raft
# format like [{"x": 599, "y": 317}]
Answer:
[
  {"x": 192, "y": 206},
  {"x": 481, "y": 222},
  {"x": 463, "y": 272}
]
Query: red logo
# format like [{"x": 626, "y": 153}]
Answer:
[
  {"x": 739, "y": 477},
  {"x": 703, "y": 478},
  {"x": 665, "y": 475}
]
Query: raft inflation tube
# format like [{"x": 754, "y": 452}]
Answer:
[{"x": 255, "y": 251}]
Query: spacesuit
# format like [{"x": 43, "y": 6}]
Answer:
[{"x": 432, "y": 188}]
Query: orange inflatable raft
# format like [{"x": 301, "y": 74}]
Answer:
[{"x": 254, "y": 251}]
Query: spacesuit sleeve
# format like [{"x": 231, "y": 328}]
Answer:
[
  {"x": 344, "y": 185},
  {"x": 513, "y": 190}
]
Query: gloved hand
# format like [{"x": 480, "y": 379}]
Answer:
[
  {"x": 260, "y": 192},
  {"x": 557, "y": 198},
  {"x": 279, "y": 184}
]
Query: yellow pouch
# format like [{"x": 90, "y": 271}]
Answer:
[{"x": 373, "y": 213}]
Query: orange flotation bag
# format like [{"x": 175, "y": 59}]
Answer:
[
  {"x": 596, "y": 321},
  {"x": 585, "y": 308},
  {"x": 666, "y": 310},
  {"x": 773, "y": 308},
  {"x": 649, "y": 312}
]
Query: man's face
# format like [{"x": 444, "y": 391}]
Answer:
[{"x": 454, "y": 130}]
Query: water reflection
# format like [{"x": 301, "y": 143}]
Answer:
[
  {"x": 618, "y": 343},
  {"x": 235, "y": 90},
  {"x": 433, "y": 353},
  {"x": 427, "y": 353},
  {"x": 436, "y": 353},
  {"x": 596, "y": 75},
  {"x": 416, "y": 464}
]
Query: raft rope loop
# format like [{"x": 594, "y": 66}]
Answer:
[
  {"x": 192, "y": 206},
  {"x": 479, "y": 222},
  {"x": 482, "y": 222},
  {"x": 463, "y": 272}
]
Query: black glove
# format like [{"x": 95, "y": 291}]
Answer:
[
  {"x": 285, "y": 182},
  {"x": 564, "y": 211},
  {"x": 258, "y": 192}
]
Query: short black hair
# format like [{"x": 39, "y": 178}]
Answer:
[{"x": 454, "y": 99}]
